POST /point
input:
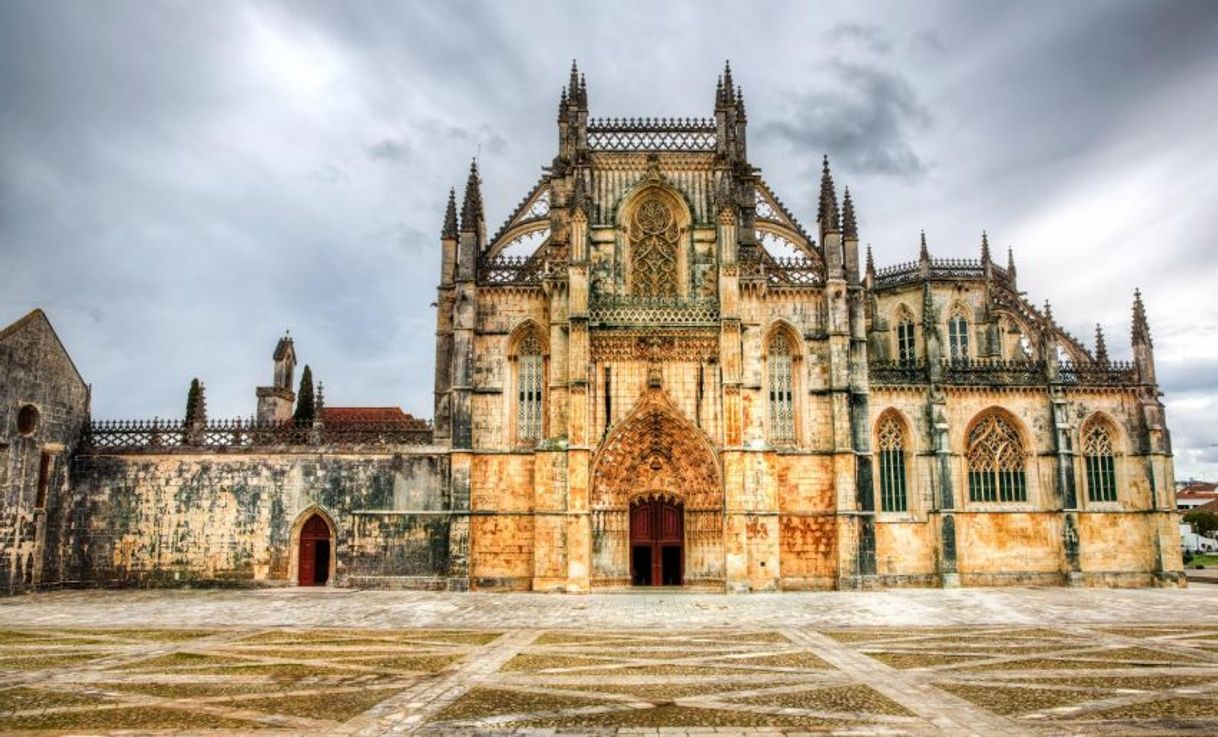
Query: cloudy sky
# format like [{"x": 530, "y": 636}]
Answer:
[{"x": 182, "y": 181}]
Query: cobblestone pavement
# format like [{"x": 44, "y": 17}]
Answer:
[{"x": 1037, "y": 662}]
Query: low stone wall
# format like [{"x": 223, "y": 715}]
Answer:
[{"x": 232, "y": 519}]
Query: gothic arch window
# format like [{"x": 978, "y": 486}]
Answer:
[
  {"x": 654, "y": 232},
  {"x": 957, "y": 335},
  {"x": 530, "y": 381},
  {"x": 907, "y": 350},
  {"x": 996, "y": 461},
  {"x": 890, "y": 442},
  {"x": 782, "y": 388},
  {"x": 1099, "y": 457}
]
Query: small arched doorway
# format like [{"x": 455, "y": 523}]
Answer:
[
  {"x": 314, "y": 554},
  {"x": 657, "y": 542}
]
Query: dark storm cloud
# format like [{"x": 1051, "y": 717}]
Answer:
[
  {"x": 179, "y": 182},
  {"x": 865, "y": 119}
]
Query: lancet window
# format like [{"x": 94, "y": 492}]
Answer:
[
  {"x": 782, "y": 391},
  {"x": 530, "y": 370},
  {"x": 1100, "y": 461},
  {"x": 653, "y": 249},
  {"x": 890, "y": 437},
  {"x": 907, "y": 351},
  {"x": 996, "y": 461},
  {"x": 957, "y": 333}
]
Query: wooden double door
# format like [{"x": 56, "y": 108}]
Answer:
[
  {"x": 657, "y": 543},
  {"x": 315, "y": 552}
]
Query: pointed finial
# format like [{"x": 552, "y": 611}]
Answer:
[
  {"x": 562, "y": 104},
  {"x": 740, "y": 114},
  {"x": 471, "y": 207},
  {"x": 1101, "y": 348},
  {"x": 985, "y": 248},
  {"x": 1141, "y": 329},
  {"x": 870, "y": 262},
  {"x": 827, "y": 213},
  {"x": 728, "y": 87},
  {"x": 1011, "y": 261},
  {"x": 319, "y": 402},
  {"x": 450, "y": 216},
  {"x": 924, "y": 252},
  {"x": 1048, "y": 311},
  {"x": 850, "y": 228},
  {"x": 574, "y": 83}
]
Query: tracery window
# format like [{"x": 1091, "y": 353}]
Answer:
[
  {"x": 891, "y": 444},
  {"x": 957, "y": 333},
  {"x": 529, "y": 382},
  {"x": 907, "y": 351},
  {"x": 996, "y": 461},
  {"x": 1100, "y": 461},
  {"x": 653, "y": 249},
  {"x": 782, "y": 394}
]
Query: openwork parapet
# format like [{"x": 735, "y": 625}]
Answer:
[
  {"x": 157, "y": 436},
  {"x": 1099, "y": 373},
  {"x": 794, "y": 271},
  {"x": 652, "y": 134},
  {"x": 983, "y": 372},
  {"x": 897, "y": 372},
  {"x": 630, "y": 310},
  {"x": 938, "y": 268},
  {"x": 511, "y": 270}
]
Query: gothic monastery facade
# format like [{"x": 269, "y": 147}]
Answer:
[{"x": 651, "y": 375}]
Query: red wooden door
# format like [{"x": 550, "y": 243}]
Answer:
[
  {"x": 314, "y": 569},
  {"x": 657, "y": 538}
]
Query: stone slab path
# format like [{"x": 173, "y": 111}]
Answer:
[{"x": 974, "y": 662}]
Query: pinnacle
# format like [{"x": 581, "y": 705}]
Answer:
[
  {"x": 1010, "y": 260},
  {"x": 1101, "y": 348},
  {"x": 827, "y": 212},
  {"x": 924, "y": 252},
  {"x": 985, "y": 248},
  {"x": 471, "y": 207},
  {"x": 450, "y": 216},
  {"x": 849, "y": 225},
  {"x": 870, "y": 261},
  {"x": 1141, "y": 329},
  {"x": 1048, "y": 311}
]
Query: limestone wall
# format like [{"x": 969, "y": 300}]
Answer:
[{"x": 229, "y": 518}]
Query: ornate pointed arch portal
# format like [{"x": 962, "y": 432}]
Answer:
[{"x": 657, "y": 459}]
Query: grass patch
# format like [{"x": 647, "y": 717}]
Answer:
[
  {"x": 671, "y": 715},
  {"x": 854, "y": 698},
  {"x": 479, "y": 703},
  {"x": 24, "y": 698},
  {"x": 1012, "y": 700},
  {"x": 351, "y": 636},
  {"x": 798, "y": 659},
  {"x": 907, "y": 660},
  {"x": 144, "y": 717},
  {"x": 1172, "y": 709},
  {"x": 337, "y": 706},
  {"x": 38, "y": 662},
  {"x": 536, "y": 662}
]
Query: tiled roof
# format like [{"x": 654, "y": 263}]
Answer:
[{"x": 349, "y": 415}]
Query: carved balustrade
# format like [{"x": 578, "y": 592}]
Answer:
[{"x": 129, "y": 436}]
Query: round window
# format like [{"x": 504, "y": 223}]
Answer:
[{"x": 27, "y": 420}]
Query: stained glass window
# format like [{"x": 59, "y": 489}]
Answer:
[
  {"x": 996, "y": 461},
  {"x": 891, "y": 443},
  {"x": 782, "y": 395},
  {"x": 529, "y": 367},
  {"x": 1100, "y": 461}
]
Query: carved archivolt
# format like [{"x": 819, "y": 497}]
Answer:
[{"x": 656, "y": 450}]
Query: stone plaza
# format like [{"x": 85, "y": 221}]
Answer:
[{"x": 974, "y": 661}]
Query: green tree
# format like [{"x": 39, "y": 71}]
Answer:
[
  {"x": 305, "y": 407},
  {"x": 1203, "y": 523},
  {"x": 192, "y": 400}
]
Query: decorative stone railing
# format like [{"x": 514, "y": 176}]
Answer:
[
  {"x": 503, "y": 270},
  {"x": 652, "y": 134},
  {"x": 793, "y": 271},
  {"x": 616, "y": 310},
  {"x": 988, "y": 372},
  {"x": 157, "y": 436},
  {"x": 939, "y": 269}
]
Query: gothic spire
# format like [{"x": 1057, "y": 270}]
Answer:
[
  {"x": 870, "y": 262},
  {"x": 827, "y": 213},
  {"x": 562, "y": 104},
  {"x": 1048, "y": 311},
  {"x": 924, "y": 252},
  {"x": 1011, "y": 262},
  {"x": 1101, "y": 348},
  {"x": 729, "y": 88},
  {"x": 450, "y": 216},
  {"x": 1141, "y": 329},
  {"x": 740, "y": 115},
  {"x": 850, "y": 228},
  {"x": 577, "y": 87},
  {"x": 471, "y": 206},
  {"x": 985, "y": 249}
]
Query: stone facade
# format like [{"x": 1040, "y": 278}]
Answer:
[{"x": 653, "y": 373}]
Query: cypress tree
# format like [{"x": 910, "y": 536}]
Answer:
[
  {"x": 305, "y": 408},
  {"x": 192, "y": 400}
]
